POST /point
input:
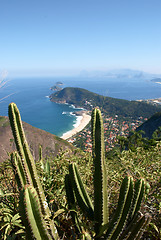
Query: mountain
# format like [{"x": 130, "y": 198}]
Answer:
[
  {"x": 151, "y": 125},
  {"x": 119, "y": 73},
  {"x": 113, "y": 106},
  {"x": 51, "y": 144}
]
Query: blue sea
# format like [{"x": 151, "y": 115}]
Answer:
[{"x": 32, "y": 98}]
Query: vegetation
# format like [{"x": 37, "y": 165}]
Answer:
[
  {"x": 84, "y": 98},
  {"x": 153, "y": 123},
  {"x": 127, "y": 222},
  {"x": 51, "y": 144},
  {"x": 44, "y": 207}
]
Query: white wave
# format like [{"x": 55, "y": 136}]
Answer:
[
  {"x": 72, "y": 106},
  {"x": 77, "y": 121},
  {"x": 71, "y": 113},
  {"x": 68, "y": 113}
]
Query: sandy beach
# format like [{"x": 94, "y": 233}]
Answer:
[{"x": 83, "y": 122}]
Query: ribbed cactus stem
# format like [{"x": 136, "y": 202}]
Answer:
[
  {"x": 18, "y": 167},
  {"x": 100, "y": 176},
  {"x": 81, "y": 194},
  {"x": 138, "y": 228},
  {"x": 31, "y": 214},
  {"x": 26, "y": 167},
  {"x": 118, "y": 222},
  {"x": 138, "y": 196},
  {"x": 72, "y": 203},
  {"x": 40, "y": 152},
  {"x": 25, "y": 154},
  {"x": 47, "y": 167}
]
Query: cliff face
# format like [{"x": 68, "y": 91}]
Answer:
[
  {"x": 152, "y": 124},
  {"x": 51, "y": 144}
]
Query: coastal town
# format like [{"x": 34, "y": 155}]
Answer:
[
  {"x": 120, "y": 117},
  {"x": 113, "y": 127}
]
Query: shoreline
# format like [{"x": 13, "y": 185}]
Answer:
[{"x": 84, "y": 119}]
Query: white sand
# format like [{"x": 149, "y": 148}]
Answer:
[{"x": 83, "y": 122}]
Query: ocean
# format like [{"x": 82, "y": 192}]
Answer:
[{"x": 32, "y": 98}]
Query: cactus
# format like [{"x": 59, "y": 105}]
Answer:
[
  {"x": 126, "y": 223},
  {"x": 101, "y": 214},
  {"x": 24, "y": 166},
  {"x": 80, "y": 191},
  {"x": 31, "y": 214},
  {"x": 72, "y": 203}
]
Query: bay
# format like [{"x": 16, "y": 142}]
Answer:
[{"x": 31, "y": 97}]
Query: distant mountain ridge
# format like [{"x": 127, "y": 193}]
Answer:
[
  {"x": 119, "y": 73},
  {"x": 86, "y": 99}
]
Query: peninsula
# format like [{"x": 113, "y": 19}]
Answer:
[
  {"x": 88, "y": 100},
  {"x": 109, "y": 106}
]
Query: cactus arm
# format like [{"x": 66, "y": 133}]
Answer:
[
  {"x": 47, "y": 167},
  {"x": 28, "y": 163},
  {"x": 40, "y": 153},
  {"x": 138, "y": 228},
  {"x": 72, "y": 203},
  {"x": 18, "y": 132},
  {"x": 25, "y": 154},
  {"x": 18, "y": 168},
  {"x": 138, "y": 196},
  {"x": 125, "y": 212},
  {"x": 100, "y": 176},
  {"x": 123, "y": 202},
  {"x": 31, "y": 214},
  {"x": 81, "y": 194}
]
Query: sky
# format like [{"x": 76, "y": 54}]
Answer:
[{"x": 65, "y": 37}]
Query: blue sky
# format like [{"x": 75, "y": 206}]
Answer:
[{"x": 60, "y": 37}]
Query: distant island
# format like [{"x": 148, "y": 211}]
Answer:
[
  {"x": 83, "y": 98},
  {"x": 57, "y": 87},
  {"x": 59, "y": 83}
]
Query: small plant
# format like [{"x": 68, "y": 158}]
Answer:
[
  {"x": 9, "y": 222},
  {"x": 127, "y": 222}
]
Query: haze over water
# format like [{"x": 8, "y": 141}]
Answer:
[{"x": 31, "y": 97}]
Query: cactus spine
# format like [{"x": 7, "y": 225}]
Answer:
[
  {"x": 126, "y": 223},
  {"x": 24, "y": 165}
]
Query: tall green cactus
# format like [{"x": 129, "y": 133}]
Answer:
[
  {"x": 25, "y": 168},
  {"x": 31, "y": 214},
  {"x": 101, "y": 214},
  {"x": 126, "y": 223}
]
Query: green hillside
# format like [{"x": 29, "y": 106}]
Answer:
[
  {"x": 152, "y": 124},
  {"x": 84, "y": 98}
]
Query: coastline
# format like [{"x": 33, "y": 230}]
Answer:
[{"x": 84, "y": 119}]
